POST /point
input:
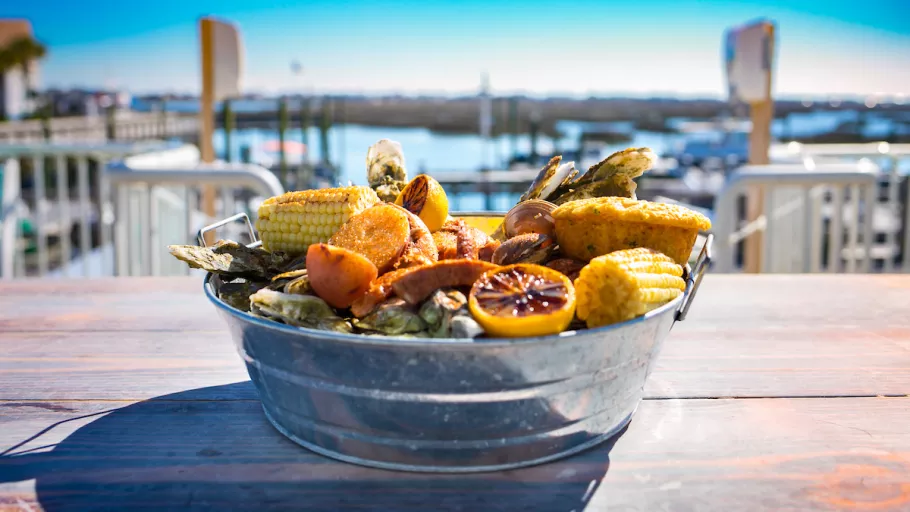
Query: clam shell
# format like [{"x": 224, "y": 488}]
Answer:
[
  {"x": 533, "y": 248},
  {"x": 533, "y": 216}
]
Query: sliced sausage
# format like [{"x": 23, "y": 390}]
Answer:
[{"x": 416, "y": 286}]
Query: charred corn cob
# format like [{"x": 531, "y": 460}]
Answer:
[
  {"x": 625, "y": 284},
  {"x": 294, "y": 220},
  {"x": 588, "y": 228}
]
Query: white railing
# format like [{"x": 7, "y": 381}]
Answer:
[
  {"x": 142, "y": 197},
  {"x": 882, "y": 152},
  {"x": 797, "y": 203},
  {"x": 127, "y": 125},
  {"x": 56, "y": 216},
  {"x": 139, "y": 198},
  {"x": 157, "y": 205}
]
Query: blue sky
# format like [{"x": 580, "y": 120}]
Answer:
[{"x": 835, "y": 47}]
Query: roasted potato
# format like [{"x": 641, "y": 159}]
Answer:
[{"x": 337, "y": 275}]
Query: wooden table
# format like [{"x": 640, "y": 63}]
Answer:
[{"x": 777, "y": 393}]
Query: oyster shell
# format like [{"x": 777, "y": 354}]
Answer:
[
  {"x": 298, "y": 263},
  {"x": 613, "y": 176},
  {"x": 292, "y": 274},
  {"x": 549, "y": 178},
  {"x": 386, "y": 172},
  {"x": 298, "y": 310},
  {"x": 446, "y": 315},
  {"x": 437, "y": 305},
  {"x": 295, "y": 281},
  {"x": 533, "y": 248},
  {"x": 237, "y": 293},
  {"x": 299, "y": 286},
  {"x": 531, "y": 216},
  {"x": 231, "y": 259},
  {"x": 392, "y": 317}
]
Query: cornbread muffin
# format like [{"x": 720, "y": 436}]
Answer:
[
  {"x": 626, "y": 284},
  {"x": 588, "y": 228}
]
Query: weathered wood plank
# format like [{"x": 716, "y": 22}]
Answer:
[
  {"x": 695, "y": 362},
  {"x": 119, "y": 285},
  {"x": 738, "y": 302},
  {"x": 756, "y": 454},
  {"x": 152, "y": 310},
  {"x": 141, "y": 338},
  {"x": 115, "y": 365},
  {"x": 782, "y": 362}
]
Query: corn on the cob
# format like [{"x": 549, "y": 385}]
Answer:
[
  {"x": 625, "y": 284},
  {"x": 588, "y": 228},
  {"x": 294, "y": 220}
]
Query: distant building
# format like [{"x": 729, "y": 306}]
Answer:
[
  {"x": 79, "y": 102},
  {"x": 14, "y": 98}
]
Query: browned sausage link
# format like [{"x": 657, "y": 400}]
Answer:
[
  {"x": 380, "y": 289},
  {"x": 418, "y": 285}
]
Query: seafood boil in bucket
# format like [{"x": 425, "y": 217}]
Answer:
[{"x": 578, "y": 251}]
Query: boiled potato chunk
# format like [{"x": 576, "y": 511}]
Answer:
[{"x": 337, "y": 275}]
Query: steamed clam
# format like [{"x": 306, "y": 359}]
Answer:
[
  {"x": 531, "y": 216},
  {"x": 386, "y": 172},
  {"x": 533, "y": 248}
]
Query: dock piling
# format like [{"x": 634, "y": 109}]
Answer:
[
  {"x": 282, "y": 127},
  {"x": 325, "y": 123},
  {"x": 228, "y": 126}
]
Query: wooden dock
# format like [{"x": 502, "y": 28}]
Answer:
[{"x": 125, "y": 126}]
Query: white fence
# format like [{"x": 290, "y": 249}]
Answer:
[
  {"x": 139, "y": 198},
  {"x": 157, "y": 204},
  {"x": 124, "y": 203},
  {"x": 817, "y": 217}
]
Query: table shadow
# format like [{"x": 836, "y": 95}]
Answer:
[{"x": 195, "y": 450}]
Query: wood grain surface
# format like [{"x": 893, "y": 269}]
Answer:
[
  {"x": 777, "y": 393},
  {"x": 743, "y": 302},
  {"x": 196, "y": 453},
  {"x": 746, "y": 336}
]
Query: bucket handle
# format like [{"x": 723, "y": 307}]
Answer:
[
  {"x": 200, "y": 235},
  {"x": 695, "y": 276}
]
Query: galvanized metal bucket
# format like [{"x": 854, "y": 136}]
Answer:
[{"x": 451, "y": 405}]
